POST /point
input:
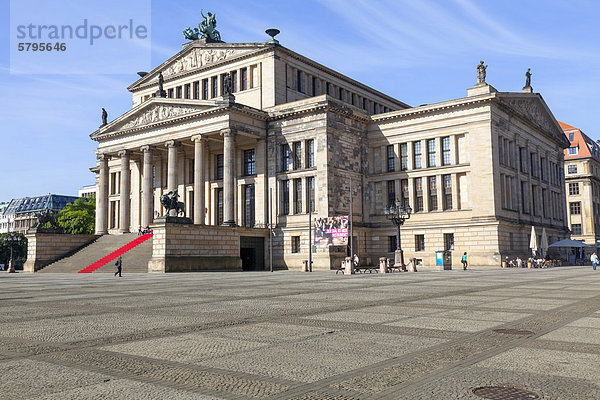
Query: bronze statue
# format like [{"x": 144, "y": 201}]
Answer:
[
  {"x": 206, "y": 29},
  {"x": 104, "y": 117},
  {"x": 528, "y": 78},
  {"x": 481, "y": 73},
  {"x": 227, "y": 84},
  {"x": 161, "y": 81},
  {"x": 169, "y": 201},
  {"x": 46, "y": 217}
]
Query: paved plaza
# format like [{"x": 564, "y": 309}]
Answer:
[{"x": 292, "y": 335}]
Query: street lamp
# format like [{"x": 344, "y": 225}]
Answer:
[
  {"x": 11, "y": 240},
  {"x": 398, "y": 213}
]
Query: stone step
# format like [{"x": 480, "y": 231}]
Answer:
[{"x": 135, "y": 260}]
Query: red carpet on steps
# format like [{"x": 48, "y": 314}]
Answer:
[{"x": 115, "y": 254}]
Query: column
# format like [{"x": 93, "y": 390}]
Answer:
[
  {"x": 228, "y": 176},
  {"x": 102, "y": 196},
  {"x": 147, "y": 189},
  {"x": 199, "y": 150},
  {"x": 172, "y": 147},
  {"x": 124, "y": 198}
]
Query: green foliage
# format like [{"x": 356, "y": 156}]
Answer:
[
  {"x": 78, "y": 217},
  {"x": 19, "y": 250}
]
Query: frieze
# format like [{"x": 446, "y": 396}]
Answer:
[
  {"x": 197, "y": 58},
  {"x": 159, "y": 113}
]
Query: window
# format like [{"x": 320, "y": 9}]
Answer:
[
  {"x": 392, "y": 244},
  {"x": 524, "y": 197},
  {"x": 432, "y": 193},
  {"x": 196, "y": 90},
  {"x": 340, "y": 94},
  {"x": 310, "y": 193},
  {"x": 572, "y": 169},
  {"x": 298, "y": 196},
  {"x": 299, "y": 83},
  {"x": 219, "y": 200},
  {"x": 244, "y": 79},
  {"x": 417, "y": 154},
  {"x": 327, "y": 88},
  {"x": 543, "y": 174},
  {"x": 186, "y": 91},
  {"x": 310, "y": 153},
  {"x": 403, "y": 156},
  {"x": 419, "y": 242},
  {"x": 364, "y": 106},
  {"x": 390, "y": 158},
  {"x": 522, "y": 164},
  {"x": 234, "y": 81},
  {"x": 449, "y": 241},
  {"x": 431, "y": 152},
  {"x": 447, "y": 192},
  {"x": 204, "y": 89},
  {"x": 314, "y": 86},
  {"x": 575, "y": 207},
  {"x": 295, "y": 244},
  {"x": 576, "y": 229},
  {"x": 418, "y": 194},
  {"x": 573, "y": 150},
  {"x": 532, "y": 164},
  {"x": 249, "y": 162},
  {"x": 285, "y": 197},
  {"x": 297, "y": 155},
  {"x": 285, "y": 157},
  {"x": 178, "y": 91},
  {"x": 215, "y": 87},
  {"x": 170, "y": 93},
  {"x": 249, "y": 205},
  {"x": 573, "y": 189},
  {"x": 571, "y": 136},
  {"x": 446, "y": 159},
  {"x": 219, "y": 166},
  {"x": 391, "y": 191},
  {"x": 404, "y": 192},
  {"x": 544, "y": 195}
]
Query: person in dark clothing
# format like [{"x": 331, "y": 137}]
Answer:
[{"x": 118, "y": 264}]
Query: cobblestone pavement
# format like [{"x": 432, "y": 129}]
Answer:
[{"x": 292, "y": 335}]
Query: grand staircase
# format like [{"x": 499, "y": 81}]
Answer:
[{"x": 100, "y": 255}]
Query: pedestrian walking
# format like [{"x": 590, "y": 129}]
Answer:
[
  {"x": 464, "y": 261},
  {"x": 118, "y": 264},
  {"x": 594, "y": 260}
]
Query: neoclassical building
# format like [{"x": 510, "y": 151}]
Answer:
[
  {"x": 478, "y": 171},
  {"x": 582, "y": 179}
]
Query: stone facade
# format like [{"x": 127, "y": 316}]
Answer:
[
  {"x": 45, "y": 248},
  {"x": 294, "y": 133}
]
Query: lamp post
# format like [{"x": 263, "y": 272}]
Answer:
[
  {"x": 398, "y": 213},
  {"x": 11, "y": 239}
]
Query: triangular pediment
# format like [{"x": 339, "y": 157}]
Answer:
[
  {"x": 533, "y": 108},
  {"x": 154, "y": 111},
  {"x": 196, "y": 56}
]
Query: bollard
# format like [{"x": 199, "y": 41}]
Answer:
[
  {"x": 348, "y": 266},
  {"x": 304, "y": 265},
  {"x": 383, "y": 265}
]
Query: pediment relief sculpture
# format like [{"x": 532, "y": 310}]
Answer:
[
  {"x": 158, "y": 113},
  {"x": 533, "y": 112},
  {"x": 197, "y": 58}
]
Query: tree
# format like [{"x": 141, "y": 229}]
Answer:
[
  {"x": 19, "y": 251},
  {"x": 78, "y": 217}
]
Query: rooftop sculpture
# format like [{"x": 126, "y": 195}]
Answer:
[{"x": 206, "y": 29}]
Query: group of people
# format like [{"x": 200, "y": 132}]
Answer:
[{"x": 144, "y": 231}]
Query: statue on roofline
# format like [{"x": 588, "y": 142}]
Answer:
[
  {"x": 207, "y": 29},
  {"x": 481, "y": 73}
]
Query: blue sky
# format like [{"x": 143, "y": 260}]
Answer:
[{"x": 420, "y": 52}]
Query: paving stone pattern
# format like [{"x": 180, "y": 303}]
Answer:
[{"x": 292, "y": 335}]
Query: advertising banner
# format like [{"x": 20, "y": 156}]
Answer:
[{"x": 331, "y": 231}]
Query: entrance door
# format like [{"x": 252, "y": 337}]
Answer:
[{"x": 252, "y": 253}]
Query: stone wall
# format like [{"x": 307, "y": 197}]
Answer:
[
  {"x": 185, "y": 247},
  {"x": 46, "y": 248}
]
